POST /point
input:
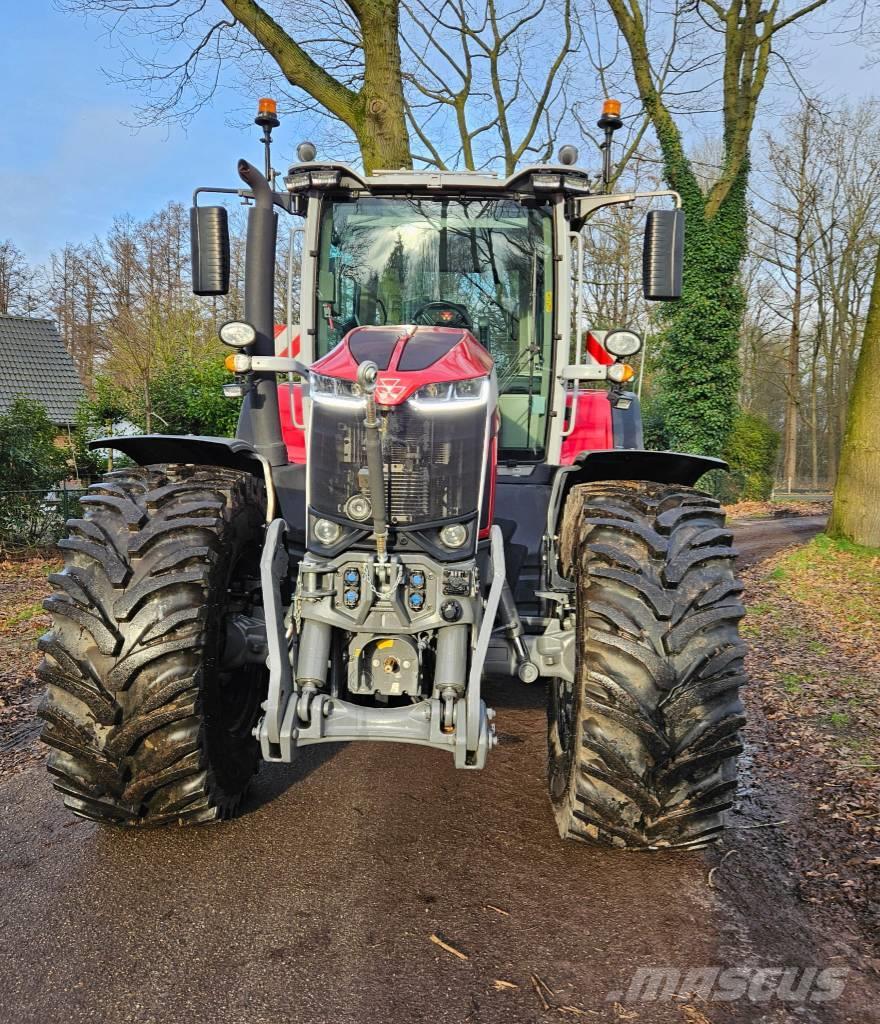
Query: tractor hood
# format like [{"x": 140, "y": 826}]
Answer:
[{"x": 409, "y": 358}]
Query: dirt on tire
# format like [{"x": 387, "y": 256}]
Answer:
[
  {"x": 141, "y": 727},
  {"x": 650, "y": 754}
]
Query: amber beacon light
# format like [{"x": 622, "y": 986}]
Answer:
[
  {"x": 267, "y": 119},
  {"x": 609, "y": 122}
]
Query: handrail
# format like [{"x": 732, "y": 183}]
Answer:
[{"x": 578, "y": 239}]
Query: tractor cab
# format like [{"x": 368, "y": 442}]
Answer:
[
  {"x": 501, "y": 259},
  {"x": 475, "y": 262}
]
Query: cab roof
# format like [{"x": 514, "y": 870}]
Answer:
[{"x": 539, "y": 179}]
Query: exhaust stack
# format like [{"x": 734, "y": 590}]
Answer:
[{"x": 259, "y": 421}]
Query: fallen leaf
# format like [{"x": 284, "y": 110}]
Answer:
[{"x": 693, "y": 1015}]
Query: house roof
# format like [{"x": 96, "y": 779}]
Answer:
[{"x": 35, "y": 364}]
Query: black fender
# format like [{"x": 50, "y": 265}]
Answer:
[
  {"x": 626, "y": 464},
  {"x": 193, "y": 449}
]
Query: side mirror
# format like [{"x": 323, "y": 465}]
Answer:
[
  {"x": 663, "y": 255},
  {"x": 209, "y": 241}
]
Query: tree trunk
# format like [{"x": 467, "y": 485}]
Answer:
[
  {"x": 814, "y": 423},
  {"x": 375, "y": 113},
  {"x": 856, "y": 512},
  {"x": 793, "y": 383},
  {"x": 381, "y": 123}
]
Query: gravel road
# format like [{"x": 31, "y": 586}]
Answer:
[{"x": 318, "y": 905}]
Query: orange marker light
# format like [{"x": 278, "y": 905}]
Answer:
[
  {"x": 267, "y": 106},
  {"x": 610, "y": 108},
  {"x": 229, "y": 362},
  {"x": 620, "y": 373}
]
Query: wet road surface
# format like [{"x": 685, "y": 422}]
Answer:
[
  {"x": 319, "y": 903},
  {"x": 759, "y": 538}
]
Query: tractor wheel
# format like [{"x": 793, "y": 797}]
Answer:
[
  {"x": 643, "y": 744},
  {"x": 145, "y": 725}
]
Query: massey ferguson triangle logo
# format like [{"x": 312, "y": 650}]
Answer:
[{"x": 389, "y": 389}]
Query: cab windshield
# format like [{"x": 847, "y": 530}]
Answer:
[{"x": 482, "y": 264}]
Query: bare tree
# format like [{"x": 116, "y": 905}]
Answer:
[
  {"x": 73, "y": 297},
  {"x": 17, "y": 291},
  {"x": 787, "y": 243},
  {"x": 816, "y": 226},
  {"x": 477, "y": 82},
  {"x": 486, "y": 65}
]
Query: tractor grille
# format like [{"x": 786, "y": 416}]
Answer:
[{"x": 432, "y": 461}]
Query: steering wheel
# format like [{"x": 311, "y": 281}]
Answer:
[{"x": 443, "y": 314}]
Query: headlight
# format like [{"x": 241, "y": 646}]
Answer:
[
  {"x": 326, "y": 531},
  {"x": 358, "y": 507},
  {"x": 622, "y": 343},
  {"x": 325, "y": 178},
  {"x": 543, "y": 181},
  {"x": 297, "y": 181},
  {"x": 332, "y": 389},
  {"x": 454, "y": 535},
  {"x": 456, "y": 392},
  {"x": 237, "y": 334}
]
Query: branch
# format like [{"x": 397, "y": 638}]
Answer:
[
  {"x": 297, "y": 66},
  {"x": 435, "y": 159},
  {"x": 797, "y": 14},
  {"x": 541, "y": 104}
]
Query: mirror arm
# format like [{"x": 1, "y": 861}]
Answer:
[
  {"x": 588, "y": 205},
  {"x": 207, "y": 190},
  {"x": 584, "y": 371}
]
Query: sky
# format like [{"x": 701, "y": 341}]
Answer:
[{"x": 69, "y": 163}]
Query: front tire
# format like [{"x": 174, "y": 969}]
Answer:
[
  {"x": 643, "y": 744},
  {"x": 145, "y": 725}
]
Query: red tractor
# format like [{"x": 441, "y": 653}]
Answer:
[{"x": 452, "y": 490}]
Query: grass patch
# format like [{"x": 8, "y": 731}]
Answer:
[
  {"x": 839, "y": 580},
  {"x": 24, "y": 614},
  {"x": 792, "y": 682},
  {"x": 815, "y": 665},
  {"x": 825, "y": 543}
]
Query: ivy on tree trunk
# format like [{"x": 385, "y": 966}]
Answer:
[{"x": 699, "y": 375}]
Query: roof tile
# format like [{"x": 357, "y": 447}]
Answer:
[{"x": 35, "y": 364}]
